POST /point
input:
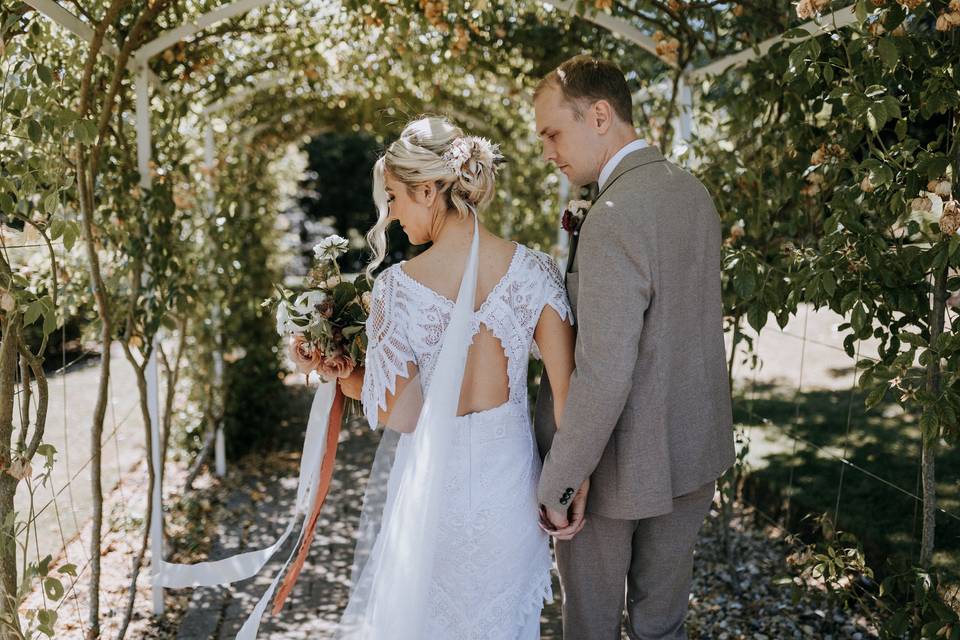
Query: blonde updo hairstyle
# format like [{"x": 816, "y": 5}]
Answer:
[{"x": 433, "y": 149}]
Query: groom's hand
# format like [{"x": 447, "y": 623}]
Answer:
[{"x": 560, "y": 526}]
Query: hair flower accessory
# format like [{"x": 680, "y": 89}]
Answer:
[{"x": 470, "y": 152}]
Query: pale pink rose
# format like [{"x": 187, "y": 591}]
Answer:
[
  {"x": 303, "y": 354},
  {"x": 339, "y": 365}
]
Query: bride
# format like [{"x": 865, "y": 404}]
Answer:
[{"x": 450, "y": 546}]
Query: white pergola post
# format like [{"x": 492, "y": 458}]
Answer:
[
  {"x": 683, "y": 121},
  {"x": 144, "y": 155},
  {"x": 144, "y": 158},
  {"x": 220, "y": 445}
]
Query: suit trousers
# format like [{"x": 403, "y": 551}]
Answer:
[{"x": 653, "y": 557}]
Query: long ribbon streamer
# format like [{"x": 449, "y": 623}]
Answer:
[
  {"x": 326, "y": 474},
  {"x": 316, "y": 471}
]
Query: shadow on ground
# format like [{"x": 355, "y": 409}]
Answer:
[{"x": 791, "y": 477}]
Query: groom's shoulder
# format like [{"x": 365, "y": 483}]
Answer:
[{"x": 660, "y": 184}]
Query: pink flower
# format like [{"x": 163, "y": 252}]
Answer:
[
  {"x": 338, "y": 365},
  {"x": 305, "y": 356}
]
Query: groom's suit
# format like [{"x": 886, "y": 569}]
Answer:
[{"x": 648, "y": 415}]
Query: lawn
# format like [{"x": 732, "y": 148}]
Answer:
[{"x": 794, "y": 476}]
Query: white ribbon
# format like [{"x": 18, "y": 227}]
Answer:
[{"x": 248, "y": 564}]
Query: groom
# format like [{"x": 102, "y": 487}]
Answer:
[{"x": 647, "y": 428}]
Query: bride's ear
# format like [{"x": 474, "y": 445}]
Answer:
[{"x": 428, "y": 193}]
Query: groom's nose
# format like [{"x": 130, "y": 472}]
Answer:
[{"x": 549, "y": 154}]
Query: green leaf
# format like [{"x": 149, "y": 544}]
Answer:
[
  {"x": 929, "y": 425},
  {"x": 792, "y": 34},
  {"x": 69, "y": 569},
  {"x": 888, "y": 52},
  {"x": 861, "y": 11},
  {"x": 56, "y": 228},
  {"x": 343, "y": 293},
  {"x": 913, "y": 339},
  {"x": 352, "y": 330},
  {"x": 757, "y": 317},
  {"x": 745, "y": 282},
  {"x": 44, "y": 73},
  {"x": 848, "y": 301},
  {"x": 33, "y": 312},
  {"x": 53, "y": 588},
  {"x": 85, "y": 131},
  {"x": 829, "y": 283},
  {"x": 362, "y": 284},
  {"x": 858, "y": 319},
  {"x": 50, "y": 202},
  {"x": 71, "y": 231},
  {"x": 34, "y": 131},
  {"x": 6, "y": 204},
  {"x": 49, "y": 317},
  {"x": 875, "y": 396}
]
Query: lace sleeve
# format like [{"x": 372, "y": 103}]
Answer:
[
  {"x": 553, "y": 292},
  {"x": 388, "y": 350}
]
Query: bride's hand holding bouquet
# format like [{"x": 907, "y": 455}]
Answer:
[{"x": 325, "y": 323}]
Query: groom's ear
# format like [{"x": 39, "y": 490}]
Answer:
[{"x": 601, "y": 116}]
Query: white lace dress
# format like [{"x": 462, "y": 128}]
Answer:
[{"x": 492, "y": 570}]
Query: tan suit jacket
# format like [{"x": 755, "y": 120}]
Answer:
[{"x": 648, "y": 414}]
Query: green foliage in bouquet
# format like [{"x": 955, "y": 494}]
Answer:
[{"x": 326, "y": 321}]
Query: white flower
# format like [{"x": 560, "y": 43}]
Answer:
[
  {"x": 926, "y": 209},
  {"x": 331, "y": 247},
  {"x": 470, "y": 152},
  {"x": 457, "y": 154},
  {"x": 285, "y": 320},
  {"x": 307, "y": 302},
  {"x": 577, "y": 207}
]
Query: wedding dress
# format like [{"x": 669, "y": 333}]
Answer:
[{"x": 470, "y": 562}]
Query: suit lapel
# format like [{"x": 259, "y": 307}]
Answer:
[{"x": 631, "y": 161}]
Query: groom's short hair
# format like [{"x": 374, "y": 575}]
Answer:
[{"x": 584, "y": 80}]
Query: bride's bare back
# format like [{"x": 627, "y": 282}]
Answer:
[{"x": 440, "y": 268}]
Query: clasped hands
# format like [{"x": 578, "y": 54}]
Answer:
[{"x": 563, "y": 526}]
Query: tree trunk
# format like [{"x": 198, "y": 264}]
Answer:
[
  {"x": 151, "y": 480},
  {"x": 929, "y": 452},
  {"x": 8, "y": 561},
  {"x": 8, "y": 484},
  {"x": 728, "y": 481}
]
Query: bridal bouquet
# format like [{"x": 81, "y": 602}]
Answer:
[{"x": 325, "y": 323}]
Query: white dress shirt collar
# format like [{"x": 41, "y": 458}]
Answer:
[{"x": 612, "y": 163}]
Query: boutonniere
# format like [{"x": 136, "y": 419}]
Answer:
[{"x": 574, "y": 214}]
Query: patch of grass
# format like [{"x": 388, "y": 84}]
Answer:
[{"x": 796, "y": 476}]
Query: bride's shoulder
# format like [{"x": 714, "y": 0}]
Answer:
[
  {"x": 386, "y": 279},
  {"x": 538, "y": 263}
]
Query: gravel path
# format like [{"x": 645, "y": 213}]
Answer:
[{"x": 753, "y": 599}]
